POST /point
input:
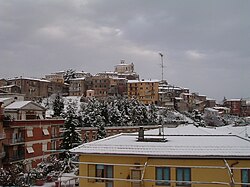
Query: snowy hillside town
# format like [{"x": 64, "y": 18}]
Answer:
[{"x": 76, "y": 129}]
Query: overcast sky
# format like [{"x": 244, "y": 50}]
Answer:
[{"x": 206, "y": 44}]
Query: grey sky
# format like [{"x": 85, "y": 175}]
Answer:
[{"x": 206, "y": 44}]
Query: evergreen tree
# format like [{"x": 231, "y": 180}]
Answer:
[
  {"x": 58, "y": 105},
  {"x": 69, "y": 74},
  {"x": 71, "y": 138},
  {"x": 99, "y": 123}
]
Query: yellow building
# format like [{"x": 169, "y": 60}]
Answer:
[
  {"x": 145, "y": 91},
  {"x": 187, "y": 156}
]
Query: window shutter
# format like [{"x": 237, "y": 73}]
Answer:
[{"x": 91, "y": 172}]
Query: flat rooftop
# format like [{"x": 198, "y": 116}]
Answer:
[{"x": 181, "y": 142}]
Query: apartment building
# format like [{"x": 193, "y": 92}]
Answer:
[
  {"x": 11, "y": 89},
  {"x": 168, "y": 92},
  {"x": 77, "y": 87},
  {"x": 3, "y": 82},
  {"x": 145, "y": 91},
  {"x": 53, "y": 77},
  {"x": 2, "y": 135},
  {"x": 191, "y": 157},
  {"x": 101, "y": 86},
  {"x": 193, "y": 101},
  {"x": 31, "y": 87},
  {"x": 237, "y": 107},
  {"x": 29, "y": 136}
]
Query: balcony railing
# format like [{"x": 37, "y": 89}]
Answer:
[
  {"x": 56, "y": 136},
  {"x": 2, "y": 136},
  {"x": 2, "y": 154},
  {"x": 16, "y": 158},
  {"x": 15, "y": 141}
]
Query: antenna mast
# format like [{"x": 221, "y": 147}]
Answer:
[{"x": 162, "y": 66}]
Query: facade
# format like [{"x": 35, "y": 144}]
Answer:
[
  {"x": 32, "y": 88},
  {"x": 167, "y": 93},
  {"x": 58, "y": 78},
  {"x": 2, "y": 135},
  {"x": 195, "y": 157},
  {"x": 29, "y": 136},
  {"x": 3, "y": 82},
  {"x": 11, "y": 89},
  {"x": 126, "y": 71},
  {"x": 193, "y": 101},
  {"x": 90, "y": 133},
  {"x": 237, "y": 107},
  {"x": 77, "y": 87},
  {"x": 145, "y": 91},
  {"x": 124, "y": 68},
  {"x": 101, "y": 86}
]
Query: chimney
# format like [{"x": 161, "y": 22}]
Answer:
[{"x": 141, "y": 134}]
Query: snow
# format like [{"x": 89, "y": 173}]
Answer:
[
  {"x": 17, "y": 104},
  {"x": 139, "y": 81},
  {"x": 188, "y": 141},
  {"x": 66, "y": 179}
]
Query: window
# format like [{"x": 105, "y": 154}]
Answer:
[
  {"x": 29, "y": 133},
  {"x": 45, "y": 132},
  {"x": 44, "y": 147},
  {"x": 100, "y": 171},
  {"x": 245, "y": 176},
  {"x": 30, "y": 150},
  {"x": 162, "y": 173},
  {"x": 182, "y": 175}
]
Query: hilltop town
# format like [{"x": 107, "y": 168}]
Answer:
[
  {"x": 123, "y": 81},
  {"x": 105, "y": 105}
]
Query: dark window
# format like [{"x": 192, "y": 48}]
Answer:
[
  {"x": 162, "y": 173},
  {"x": 184, "y": 176},
  {"x": 245, "y": 177}
]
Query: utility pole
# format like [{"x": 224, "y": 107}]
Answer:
[{"x": 162, "y": 66}]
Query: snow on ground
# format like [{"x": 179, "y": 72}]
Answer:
[{"x": 67, "y": 179}]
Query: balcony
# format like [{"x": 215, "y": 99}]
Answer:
[
  {"x": 2, "y": 155},
  {"x": 16, "y": 158},
  {"x": 56, "y": 136},
  {"x": 2, "y": 136},
  {"x": 15, "y": 141}
]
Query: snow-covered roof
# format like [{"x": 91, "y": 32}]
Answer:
[
  {"x": 34, "y": 79},
  {"x": 8, "y": 86},
  {"x": 20, "y": 104},
  {"x": 139, "y": 81},
  {"x": 188, "y": 142},
  {"x": 233, "y": 99},
  {"x": 5, "y": 99},
  {"x": 77, "y": 79}
]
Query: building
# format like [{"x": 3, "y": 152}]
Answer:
[
  {"x": 53, "y": 77},
  {"x": 168, "y": 92},
  {"x": 3, "y": 82},
  {"x": 11, "y": 89},
  {"x": 100, "y": 85},
  {"x": 90, "y": 133},
  {"x": 125, "y": 70},
  {"x": 29, "y": 136},
  {"x": 145, "y": 91},
  {"x": 32, "y": 88},
  {"x": 2, "y": 135},
  {"x": 238, "y": 107},
  {"x": 189, "y": 157},
  {"x": 77, "y": 87}
]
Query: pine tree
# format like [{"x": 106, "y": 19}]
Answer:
[
  {"x": 71, "y": 138},
  {"x": 99, "y": 123},
  {"x": 69, "y": 74},
  {"x": 58, "y": 105}
]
